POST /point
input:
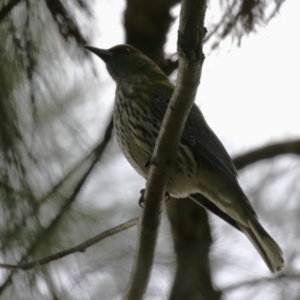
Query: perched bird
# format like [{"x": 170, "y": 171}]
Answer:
[{"x": 202, "y": 165}]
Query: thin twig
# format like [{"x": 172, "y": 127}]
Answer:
[
  {"x": 79, "y": 248},
  {"x": 273, "y": 279},
  {"x": 37, "y": 205}
]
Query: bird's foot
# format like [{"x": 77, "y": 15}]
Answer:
[
  {"x": 167, "y": 197},
  {"x": 141, "y": 200}
]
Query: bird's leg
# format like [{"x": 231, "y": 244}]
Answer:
[{"x": 141, "y": 200}]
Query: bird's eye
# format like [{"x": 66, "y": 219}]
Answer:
[{"x": 126, "y": 50}]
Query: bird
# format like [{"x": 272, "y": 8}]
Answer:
[{"x": 202, "y": 166}]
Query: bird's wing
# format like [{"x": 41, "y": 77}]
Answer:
[
  {"x": 206, "y": 146},
  {"x": 209, "y": 205}
]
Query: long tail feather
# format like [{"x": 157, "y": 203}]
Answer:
[{"x": 268, "y": 249}]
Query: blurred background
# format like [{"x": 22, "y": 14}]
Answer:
[{"x": 64, "y": 180}]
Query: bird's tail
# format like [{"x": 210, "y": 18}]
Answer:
[
  {"x": 268, "y": 249},
  {"x": 261, "y": 240}
]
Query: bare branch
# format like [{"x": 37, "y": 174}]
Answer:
[
  {"x": 79, "y": 248},
  {"x": 270, "y": 151},
  {"x": 254, "y": 282},
  {"x": 190, "y": 38}
]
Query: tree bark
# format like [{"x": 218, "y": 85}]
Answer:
[{"x": 192, "y": 241}]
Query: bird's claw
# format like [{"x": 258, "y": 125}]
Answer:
[
  {"x": 141, "y": 200},
  {"x": 167, "y": 197}
]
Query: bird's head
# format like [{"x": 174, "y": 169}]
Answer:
[{"x": 123, "y": 61}]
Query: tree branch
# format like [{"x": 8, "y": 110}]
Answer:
[
  {"x": 192, "y": 240},
  {"x": 148, "y": 31},
  {"x": 261, "y": 281},
  {"x": 269, "y": 151},
  {"x": 79, "y": 248},
  {"x": 6, "y": 8},
  {"x": 190, "y": 38}
]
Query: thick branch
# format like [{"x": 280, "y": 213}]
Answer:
[
  {"x": 270, "y": 151},
  {"x": 192, "y": 241},
  {"x": 146, "y": 25},
  {"x": 191, "y": 34}
]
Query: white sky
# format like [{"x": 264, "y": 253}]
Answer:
[{"x": 251, "y": 95}]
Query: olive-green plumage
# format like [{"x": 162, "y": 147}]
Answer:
[{"x": 202, "y": 166}]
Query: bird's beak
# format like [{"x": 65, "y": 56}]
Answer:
[{"x": 102, "y": 53}]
